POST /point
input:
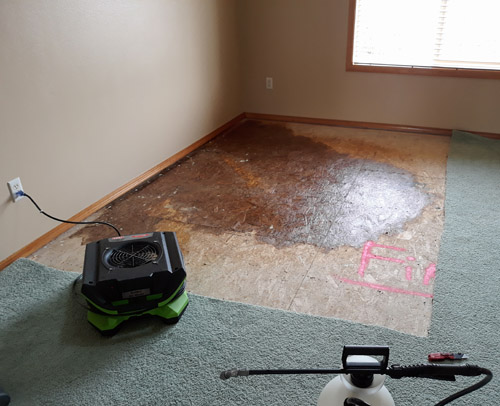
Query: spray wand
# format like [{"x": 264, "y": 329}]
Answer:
[{"x": 362, "y": 370}]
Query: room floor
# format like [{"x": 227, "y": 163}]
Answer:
[{"x": 328, "y": 221}]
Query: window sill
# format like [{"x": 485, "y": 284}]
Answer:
[{"x": 426, "y": 71}]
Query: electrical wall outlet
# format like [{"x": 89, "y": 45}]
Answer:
[
  {"x": 14, "y": 188},
  {"x": 269, "y": 83}
]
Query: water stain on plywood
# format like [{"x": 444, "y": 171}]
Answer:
[{"x": 283, "y": 188}]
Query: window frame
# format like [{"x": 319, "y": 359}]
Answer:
[{"x": 408, "y": 70}]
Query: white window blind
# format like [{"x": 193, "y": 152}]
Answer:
[{"x": 428, "y": 33}]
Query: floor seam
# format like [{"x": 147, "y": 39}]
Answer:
[{"x": 326, "y": 236}]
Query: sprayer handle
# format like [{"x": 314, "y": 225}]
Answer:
[
  {"x": 371, "y": 350},
  {"x": 433, "y": 371}
]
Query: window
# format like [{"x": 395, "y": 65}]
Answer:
[{"x": 429, "y": 37}]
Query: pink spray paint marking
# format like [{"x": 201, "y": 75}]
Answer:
[
  {"x": 368, "y": 255},
  {"x": 386, "y": 288},
  {"x": 430, "y": 273},
  {"x": 409, "y": 269},
  {"x": 408, "y": 273}
]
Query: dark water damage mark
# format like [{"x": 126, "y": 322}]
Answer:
[{"x": 286, "y": 189}]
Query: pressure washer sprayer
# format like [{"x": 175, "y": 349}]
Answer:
[{"x": 361, "y": 379}]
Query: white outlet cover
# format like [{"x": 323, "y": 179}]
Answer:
[{"x": 14, "y": 187}]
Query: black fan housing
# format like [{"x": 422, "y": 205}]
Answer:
[
  {"x": 131, "y": 273},
  {"x": 131, "y": 254}
]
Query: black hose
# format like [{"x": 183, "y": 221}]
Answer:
[
  {"x": 440, "y": 372},
  {"x": 470, "y": 389}
]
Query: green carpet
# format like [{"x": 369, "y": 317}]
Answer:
[{"x": 49, "y": 354}]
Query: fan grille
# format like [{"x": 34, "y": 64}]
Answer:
[{"x": 132, "y": 255}]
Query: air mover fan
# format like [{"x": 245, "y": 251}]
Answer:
[{"x": 134, "y": 275}]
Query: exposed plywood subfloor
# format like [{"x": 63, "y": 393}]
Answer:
[{"x": 280, "y": 215}]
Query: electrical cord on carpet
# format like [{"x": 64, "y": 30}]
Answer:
[{"x": 21, "y": 193}]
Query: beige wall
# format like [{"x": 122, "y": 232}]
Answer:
[
  {"x": 93, "y": 93},
  {"x": 302, "y": 45}
]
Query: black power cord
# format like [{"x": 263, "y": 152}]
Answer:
[
  {"x": 79, "y": 278},
  {"x": 68, "y": 221}
]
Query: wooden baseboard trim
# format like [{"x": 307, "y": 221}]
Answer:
[
  {"x": 85, "y": 213},
  {"x": 362, "y": 125}
]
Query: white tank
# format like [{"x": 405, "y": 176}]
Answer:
[{"x": 341, "y": 387}]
